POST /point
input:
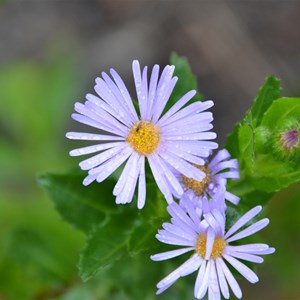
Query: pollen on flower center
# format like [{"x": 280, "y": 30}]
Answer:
[
  {"x": 144, "y": 137},
  {"x": 217, "y": 250},
  {"x": 198, "y": 187}
]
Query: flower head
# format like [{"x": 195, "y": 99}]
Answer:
[
  {"x": 212, "y": 248},
  {"x": 177, "y": 138},
  {"x": 284, "y": 142},
  {"x": 210, "y": 193}
]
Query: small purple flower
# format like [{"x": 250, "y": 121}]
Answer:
[
  {"x": 177, "y": 139},
  {"x": 290, "y": 139},
  {"x": 206, "y": 237},
  {"x": 210, "y": 193}
]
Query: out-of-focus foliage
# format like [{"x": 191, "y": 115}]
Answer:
[{"x": 39, "y": 250}]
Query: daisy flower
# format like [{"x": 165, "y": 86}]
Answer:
[
  {"x": 210, "y": 193},
  {"x": 177, "y": 138},
  {"x": 212, "y": 250}
]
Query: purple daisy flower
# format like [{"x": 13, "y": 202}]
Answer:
[
  {"x": 210, "y": 193},
  {"x": 207, "y": 238},
  {"x": 177, "y": 139}
]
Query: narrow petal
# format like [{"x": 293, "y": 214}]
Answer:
[
  {"x": 232, "y": 198},
  {"x": 203, "y": 285},
  {"x": 162, "y": 92},
  {"x": 159, "y": 177},
  {"x": 211, "y": 220},
  {"x": 176, "y": 211},
  {"x": 193, "y": 136},
  {"x": 220, "y": 156},
  {"x": 186, "y": 156},
  {"x": 93, "y": 137},
  {"x": 191, "y": 109},
  {"x": 126, "y": 195},
  {"x": 227, "y": 164},
  {"x": 244, "y": 256},
  {"x": 96, "y": 124},
  {"x": 173, "y": 181},
  {"x": 178, "y": 105},
  {"x": 249, "y": 248},
  {"x": 142, "y": 185},
  {"x": 89, "y": 179},
  {"x": 107, "y": 168},
  {"x": 250, "y": 230},
  {"x": 182, "y": 166},
  {"x": 243, "y": 220},
  {"x": 230, "y": 279},
  {"x": 192, "y": 212},
  {"x": 181, "y": 232},
  {"x": 152, "y": 91},
  {"x": 191, "y": 147},
  {"x": 171, "y": 239},
  {"x": 210, "y": 239},
  {"x": 164, "y": 99},
  {"x": 105, "y": 92},
  {"x": 100, "y": 158},
  {"x": 113, "y": 97},
  {"x": 138, "y": 86},
  {"x": 222, "y": 280},
  {"x": 106, "y": 107},
  {"x": 256, "y": 249},
  {"x": 95, "y": 148},
  {"x": 130, "y": 164},
  {"x": 161, "y": 290},
  {"x": 125, "y": 93},
  {"x": 188, "y": 267},
  {"x": 213, "y": 285},
  {"x": 170, "y": 254},
  {"x": 199, "y": 280},
  {"x": 242, "y": 269}
]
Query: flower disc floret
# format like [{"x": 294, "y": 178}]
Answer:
[
  {"x": 198, "y": 187},
  {"x": 217, "y": 249},
  {"x": 205, "y": 192},
  {"x": 144, "y": 137}
]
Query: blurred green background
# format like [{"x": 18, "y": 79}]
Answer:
[{"x": 50, "y": 53}]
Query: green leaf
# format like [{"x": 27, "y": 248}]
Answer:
[
  {"x": 105, "y": 245},
  {"x": 148, "y": 221},
  {"x": 269, "y": 92},
  {"x": 83, "y": 207},
  {"x": 187, "y": 81},
  {"x": 246, "y": 145},
  {"x": 280, "y": 110},
  {"x": 143, "y": 237}
]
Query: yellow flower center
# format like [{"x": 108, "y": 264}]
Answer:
[
  {"x": 217, "y": 250},
  {"x": 144, "y": 137},
  {"x": 198, "y": 187}
]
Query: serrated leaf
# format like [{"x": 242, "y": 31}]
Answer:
[
  {"x": 269, "y": 92},
  {"x": 280, "y": 110},
  {"x": 105, "y": 245},
  {"x": 143, "y": 238},
  {"x": 83, "y": 207},
  {"x": 148, "y": 220}
]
